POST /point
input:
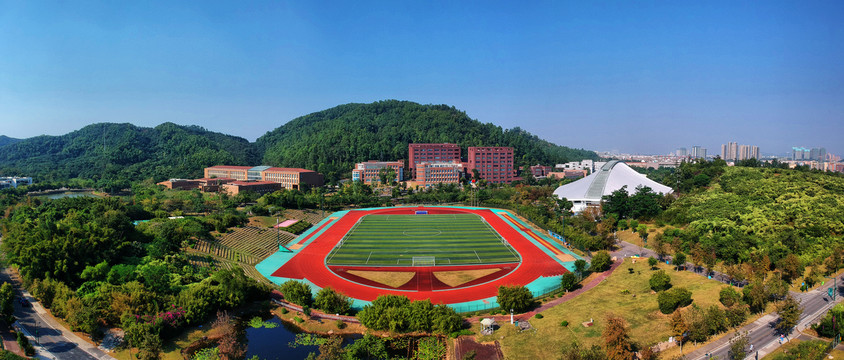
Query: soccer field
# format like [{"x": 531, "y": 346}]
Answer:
[{"x": 421, "y": 240}]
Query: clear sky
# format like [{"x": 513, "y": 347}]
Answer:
[{"x": 633, "y": 76}]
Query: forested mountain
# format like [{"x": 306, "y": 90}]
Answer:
[
  {"x": 333, "y": 140},
  {"x": 5, "y": 140},
  {"x": 125, "y": 152},
  {"x": 329, "y": 141}
]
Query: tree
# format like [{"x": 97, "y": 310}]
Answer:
[
  {"x": 580, "y": 267},
  {"x": 776, "y": 288},
  {"x": 680, "y": 260},
  {"x": 738, "y": 346},
  {"x": 518, "y": 298},
  {"x": 791, "y": 267},
  {"x": 228, "y": 345},
  {"x": 616, "y": 339},
  {"x": 789, "y": 311},
  {"x": 652, "y": 261},
  {"x": 7, "y": 302},
  {"x": 601, "y": 261},
  {"x": 670, "y": 300},
  {"x": 569, "y": 282},
  {"x": 642, "y": 230},
  {"x": 332, "y": 302},
  {"x": 678, "y": 326},
  {"x": 755, "y": 296},
  {"x": 729, "y": 296},
  {"x": 297, "y": 292},
  {"x": 660, "y": 281}
]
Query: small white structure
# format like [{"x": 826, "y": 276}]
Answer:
[
  {"x": 610, "y": 177},
  {"x": 14, "y": 182}
]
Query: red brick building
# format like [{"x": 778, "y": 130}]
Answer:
[
  {"x": 540, "y": 171},
  {"x": 432, "y": 173},
  {"x": 289, "y": 178},
  {"x": 494, "y": 164},
  {"x": 368, "y": 171},
  {"x": 431, "y": 153},
  {"x": 259, "y": 187}
]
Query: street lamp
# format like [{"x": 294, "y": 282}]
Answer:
[{"x": 511, "y": 316}]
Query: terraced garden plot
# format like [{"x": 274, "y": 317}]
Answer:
[
  {"x": 252, "y": 243},
  {"x": 395, "y": 240}
]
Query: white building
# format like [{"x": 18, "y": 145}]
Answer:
[
  {"x": 587, "y": 164},
  {"x": 14, "y": 182},
  {"x": 610, "y": 177}
]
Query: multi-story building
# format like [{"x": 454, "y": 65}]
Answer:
[
  {"x": 747, "y": 152},
  {"x": 430, "y": 173},
  {"x": 698, "y": 152},
  {"x": 431, "y": 153},
  {"x": 259, "y": 187},
  {"x": 540, "y": 171},
  {"x": 494, "y": 164},
  {"x": 289, "y": 178},
  {"x": 729, "y": 151},
  {"x": 14, "y": 182},
  {"x": 587, "y": 164},
  {"x": 800, "y": 153},
  {"x": 368, "y": 171},
  {"x": 681, "y": 152}
]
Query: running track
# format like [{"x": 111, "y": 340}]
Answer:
[{"x": 309, "y": 262}]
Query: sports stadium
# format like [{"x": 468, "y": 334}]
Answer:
[{"x": 457, "y": 256}]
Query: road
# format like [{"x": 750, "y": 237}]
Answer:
[{"x": 52, "y": 340}]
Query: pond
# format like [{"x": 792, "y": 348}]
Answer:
[{"x": 274, "y": 343}]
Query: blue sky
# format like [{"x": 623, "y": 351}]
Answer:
[{"x": 633, "y": 76}]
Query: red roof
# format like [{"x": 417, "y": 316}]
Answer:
[{"x": 210, "y": 179}]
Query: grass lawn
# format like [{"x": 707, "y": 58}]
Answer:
[{"x": 639, "y": 308}]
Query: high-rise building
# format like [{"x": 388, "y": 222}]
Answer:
[
  {"x": 698, "y": 152},
  {"x": 800, "y": 153},
  {"x": 494, "y": 164},
  {"x": 681, "y": 152},
  {"x": 729, "y": 151},
  {"x": 369, "y": 171},
  {"x": 747, "y": 152},
  {"x": 431, "y": 153},
  {"x": 817, "y": 154}
]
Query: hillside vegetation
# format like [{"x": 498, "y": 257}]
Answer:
[
  {"x": 329, "y": 141},
  {"x": 780, "y": 211},
  {"x": 5, "y": 140},
  {"x": 125, "y": 152},
  {"x": 332, "y": 141}
]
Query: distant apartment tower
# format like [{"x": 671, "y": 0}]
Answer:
[
  {"x": 431, "y": 153},
  {"x": 368, "y": 171},
  {"x": 681, "y": 152},
  {"x": 698, "y": 152},
  {"x": 800, "y": 153},
  {"x": 729, "y": 151},
  {"x": 289, "y": 178},
  {"x": 817, "y": 154},
  {"x": 747, "y": 152},
  {"x": 494, "y": 164},
  {"x": 431, "y": 173}
]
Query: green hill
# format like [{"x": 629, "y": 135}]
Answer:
[
  {"x": 5, "y": 140},
  {"x": 126, "y": 152},
  {"x": 333, "y": 140}
]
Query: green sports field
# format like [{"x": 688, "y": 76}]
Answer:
[{"x": 394, "y": 240}]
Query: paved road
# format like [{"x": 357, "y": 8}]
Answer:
[{"x": 53, "y": 341}]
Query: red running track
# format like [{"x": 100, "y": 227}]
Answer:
[{"x": 309, "y": 262}]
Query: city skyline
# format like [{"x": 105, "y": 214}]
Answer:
[{"x": 637, "y": 78}]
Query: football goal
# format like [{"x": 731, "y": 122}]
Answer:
[{"x": 424, "y": 261}]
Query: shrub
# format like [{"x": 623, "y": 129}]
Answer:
[
  {"x": 297, "y": 292},
  {"x": 298, "y": 319},
  {"x": 601, "y": 261},
  {"x": 670, "y": 300},
  {"x": 568, "y": 282},
  {"x": 539, "y": 316},
  {"x": 518, "y": 298},
  {"x": 660, "y": 281},
  {"x": 340, "y": 324},
  {"x": 652, "y": 262},
  {"x": 284, "y": 311},
  {"x": 564, "y": 323},
  {"x": 729, "y": 296},
  {"x": 306, "y": 310}
]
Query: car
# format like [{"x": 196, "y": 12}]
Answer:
[{"x": 24, "y": 302}]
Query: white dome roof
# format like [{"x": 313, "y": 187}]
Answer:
[{"x": 612, "y": 176}]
